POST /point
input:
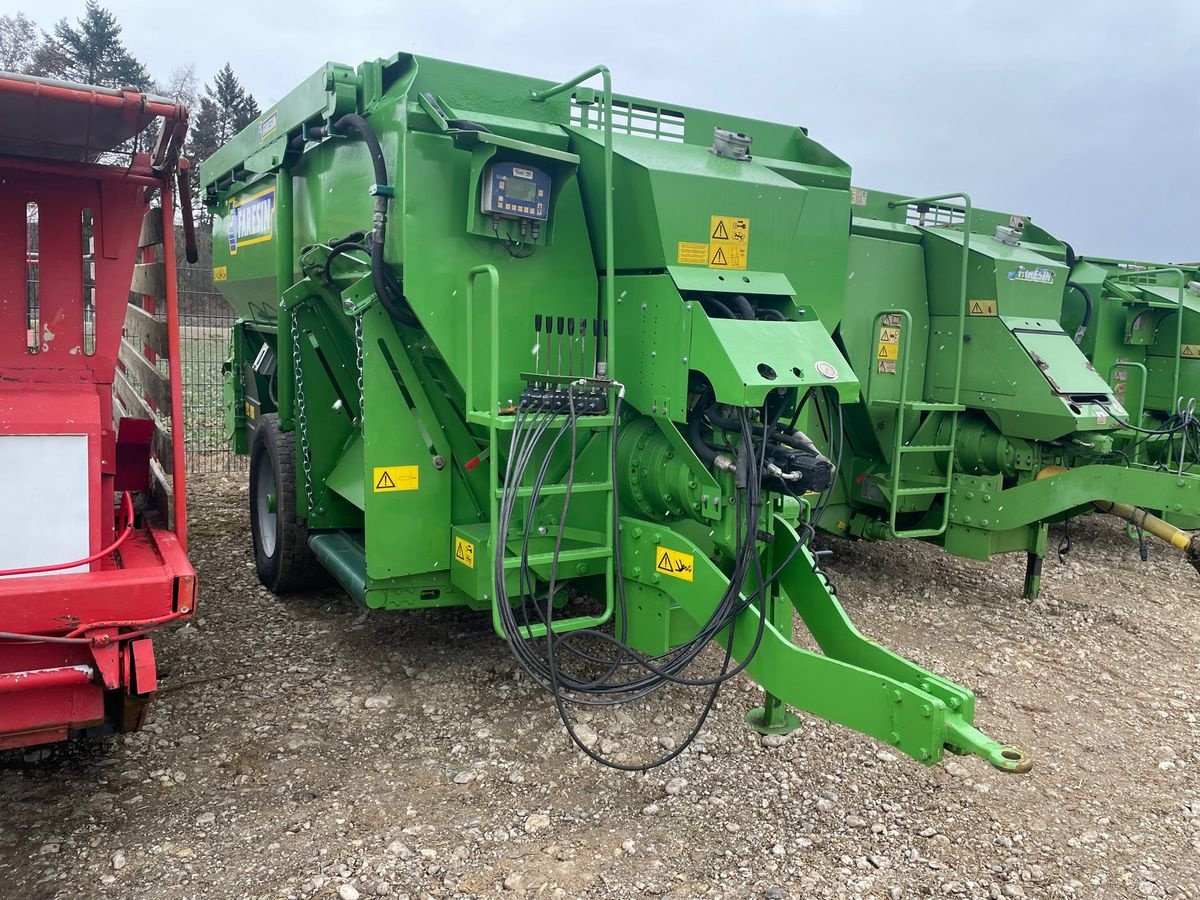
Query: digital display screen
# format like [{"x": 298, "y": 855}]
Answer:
[{"x": 520, "y": 190}]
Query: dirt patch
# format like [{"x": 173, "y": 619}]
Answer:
[{"x": 304, "y": 749}]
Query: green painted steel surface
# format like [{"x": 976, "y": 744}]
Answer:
[{"x": 723, "y": 287}]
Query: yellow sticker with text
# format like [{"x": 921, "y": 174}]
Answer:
[
  {"x": 887, "y": 351},
  {"x": 692, "y": 254},
  {"x": 395, "y": 478},
  {"x": 220, "y": 273},
  {"x": 464, "y": 552},
  {"x": 674, "y": 563},
  {"x": 728, "y": 242},
  {"x": 983, "y": 308}
]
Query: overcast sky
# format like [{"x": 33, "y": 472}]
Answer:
[{"x": 1083, "y": 115}]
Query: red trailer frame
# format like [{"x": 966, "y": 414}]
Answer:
[{"x": 74, "y": 653}]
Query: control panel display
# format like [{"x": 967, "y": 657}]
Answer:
[{"x": 515, "y": 191}]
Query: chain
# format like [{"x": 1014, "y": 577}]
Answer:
[
  {"x": 301, "y": 415},
  {"x": 358, "y": 358}
]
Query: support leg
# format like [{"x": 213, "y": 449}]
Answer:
[
  {"x": 1034, "y": 559},
  {"x": 773, "y": 717}
]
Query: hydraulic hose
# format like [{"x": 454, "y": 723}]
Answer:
[
  {"x": 126, "y": 514},
  {"x": 1181, "y": 540},
  {"x": 743, "y": 306},
  {"x": 387, "y": 286},
  {"x": 1161, "y": 529},
  {"x": 1087, "y": 310},
  {"x": 712, "y": 304}
]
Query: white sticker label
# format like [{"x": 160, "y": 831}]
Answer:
[{"x": 827, "y": 369}]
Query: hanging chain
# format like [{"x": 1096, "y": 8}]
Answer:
[
  {"x": 301, "y": 415},
  {"x": 358, "y": 358}
]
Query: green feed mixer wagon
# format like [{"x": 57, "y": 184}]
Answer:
[
  {"x": 993, "y": 368},
  {"x": 541, "y": 351},
  {"x": 1139, "y": 324}
]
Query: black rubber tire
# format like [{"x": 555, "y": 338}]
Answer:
[{"x": 290, "y": 564}]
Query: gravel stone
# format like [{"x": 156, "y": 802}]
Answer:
[{"x": 536, "y": 822}]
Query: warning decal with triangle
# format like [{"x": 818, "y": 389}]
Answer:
[
  {"x": 728, "y": 242},
  {"x": 394, "y": 478},
  {"x": 464, "y": 552},
  {"x": 674, "y": 563},
  {"x": 983, "y": 308}
]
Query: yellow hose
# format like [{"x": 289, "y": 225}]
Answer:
[
  {"x": 1140, "y": 518},
  {"x": 1176, "y": 537}
]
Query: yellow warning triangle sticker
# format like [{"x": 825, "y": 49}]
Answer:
[
  {"x": 1187, "y": 350},
  {"x": 976, "y": 309},
  {"x": 882, "y": 354},
  {"x": 384, "y": 482},
  {"x": 719, "y": 258},
  {"x": 664, "y": 564},
  {"x": 719, "y": 233}
]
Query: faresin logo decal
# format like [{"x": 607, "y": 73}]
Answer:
[
  {"x": 1037, "y": 276},
  {"x": 251, "y": 220},
  {"x": 267, "y": 126}
]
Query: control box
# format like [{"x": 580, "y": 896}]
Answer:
[{"x": 515, "y": 191}]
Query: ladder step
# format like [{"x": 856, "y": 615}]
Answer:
[
  {"x": 935, "y": 407},
  {"x": 552, "y": 490},
  {"x": 920, "y": 491},
  {"x": 917, "y": 532},
  {"x": 925, "y": 448},
  {"x": 566, "y": 556},
  {"x": 562, "y": 626}
]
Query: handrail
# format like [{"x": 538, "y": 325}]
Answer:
[
  {"x": 610, "y": 295},
  {"x": 962, "y": 287},
  {"x": 494, "y": 321},
  {"x": 1172, "y": 270}
]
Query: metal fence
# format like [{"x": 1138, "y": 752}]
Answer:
[{"x": 205, "y": 320}]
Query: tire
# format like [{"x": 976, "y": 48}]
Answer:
[{"x": 281, "y": 554}]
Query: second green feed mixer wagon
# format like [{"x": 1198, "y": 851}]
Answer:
[{"x": 986, "y": 411}]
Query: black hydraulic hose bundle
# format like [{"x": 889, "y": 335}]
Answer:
[{"x": 543, "y": 657}]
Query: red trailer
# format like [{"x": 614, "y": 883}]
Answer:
[{"x": 93, "y": 534}]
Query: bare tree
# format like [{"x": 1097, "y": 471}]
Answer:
[
  {"x": 18, "y": 41},
  {"x": 183, "y": 85}
]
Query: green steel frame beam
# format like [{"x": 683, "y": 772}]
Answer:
[{"x": 854, "y": 681}]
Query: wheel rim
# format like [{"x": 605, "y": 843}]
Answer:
[{"x": 264, "y": 505}]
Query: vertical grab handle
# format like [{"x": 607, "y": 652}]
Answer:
[{"x": 493, "y": 279}]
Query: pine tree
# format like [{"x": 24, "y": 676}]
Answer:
[
  {"x": 18, "y": 39},
  {"x": 91, "y": 53},
  {"x": 225, "y": 109}
]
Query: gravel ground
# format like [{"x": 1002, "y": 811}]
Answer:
[{"x": 304, "y": 749}]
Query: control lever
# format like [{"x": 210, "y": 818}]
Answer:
[{"x": 537, "y": 336}]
